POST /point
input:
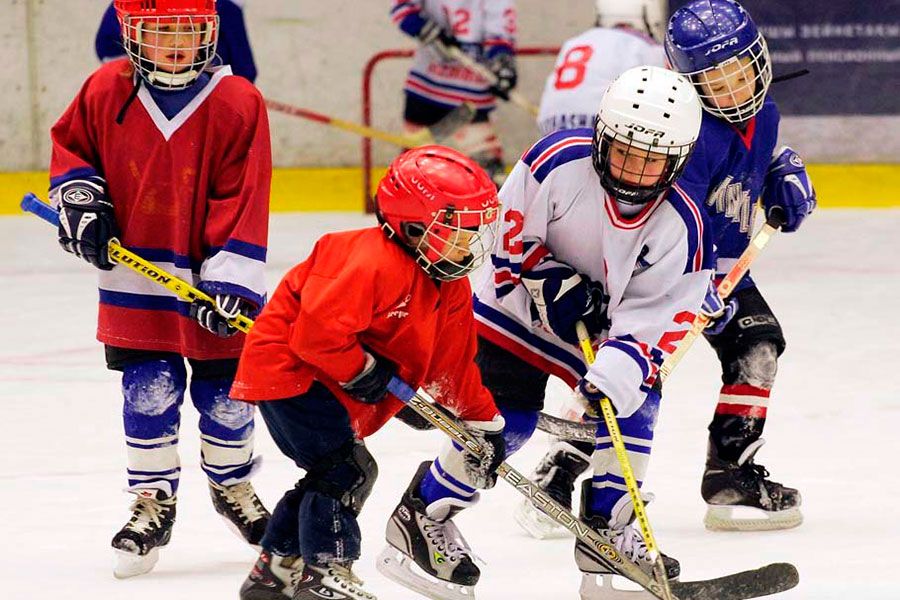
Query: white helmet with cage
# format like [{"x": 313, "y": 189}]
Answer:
[
  {"x": 643, "y": 15},
  {"x": 650, "y": 119}
]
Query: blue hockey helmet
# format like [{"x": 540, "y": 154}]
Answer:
[{"x": 716, "y": 44}]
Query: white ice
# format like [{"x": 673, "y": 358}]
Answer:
[{"x": 831, "y": 432}]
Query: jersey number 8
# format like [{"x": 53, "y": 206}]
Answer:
[{"x": 571, "y": 72}]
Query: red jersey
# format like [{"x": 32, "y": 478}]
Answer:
[
  {"x": 359, "y": 290},
  {"x": 191, "y": 194}
]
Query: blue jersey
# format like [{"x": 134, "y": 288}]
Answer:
[
  {"x": 725, "y": 174},
  {"x": 233, "y": 47}
]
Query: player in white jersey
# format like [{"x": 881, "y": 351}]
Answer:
[
  {"x": 594, "y": 231},
  {"x": 436, "y": 84},
  {"x": 628, "y": 33}
]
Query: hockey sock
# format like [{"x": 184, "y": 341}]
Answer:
[
  {"x": 739, "y": 419},
  {"x": 226, "y": 432},
  {"x": 153, "y": 392}
]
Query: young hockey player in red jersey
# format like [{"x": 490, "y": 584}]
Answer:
[
  {"x": 365, "y": 306},
  {"x": 172, "y": 158}
]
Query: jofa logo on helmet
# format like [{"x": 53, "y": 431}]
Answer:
[
  {"x": 421, "y": 187},
  {"x": 78, "y": 196},
  {"x": 641, "y": 129},
  {"x": 721, "y": 46}
]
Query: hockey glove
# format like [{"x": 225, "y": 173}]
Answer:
[
  {"x": 503, "y": 66},
  {"x": 482, "y": 471},
  {"x": 787, "y": 186},
  {"x": 214, "y": 316},
  {"x": 371, "y": 385},
  {"x": 561, "y": 297},
  {"x": 87, "y": 221},
  {"x": 435, "y": 36},
  {"x": 719, "y": 312}
]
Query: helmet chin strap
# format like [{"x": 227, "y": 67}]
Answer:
[{"x": 173, "y": 80}]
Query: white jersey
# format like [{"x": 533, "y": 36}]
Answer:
[
  {"x": 585, "y": 67},
  {"x": 481, "y": 26},
  {"x": 654, "y": 266}
]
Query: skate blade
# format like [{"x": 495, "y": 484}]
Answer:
[
  {"x": 129, "y": 564},
  {"x": 603, "y": 586},
  {"x": 537, "y": 524},
  {"x": 237, "y": 532},
  {"x": 398, "y": 567},
  {"x": 746, "y": 518}
]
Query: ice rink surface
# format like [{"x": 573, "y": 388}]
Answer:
[{"x": 832, "y": 432}]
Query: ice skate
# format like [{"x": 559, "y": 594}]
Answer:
[
  {"x": 597, "y": 581},
  {"x": 425, "y": 552},
  {"x": 555, "y": 474},
  {"x": 137, "y": 544},
  {"x": 333, "y": 581},
  {"x": 740, "y": 497},
  {"x": 241, "y": 509},
  {"x": 273, "y": 577}
]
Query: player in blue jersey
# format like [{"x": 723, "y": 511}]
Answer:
[
  {"x": 735, "y": 164},
  {"x": 233, "y": 48}
]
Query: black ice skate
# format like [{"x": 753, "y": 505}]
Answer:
[
  {"x": 241, "y": 509},
  {"x": 741, "y": 498},
  {"x": 432, "y": 545},
  {"x": 597, "y": 582},
  {"x": 555, "y": 474},
  {"x": 150, "y": 527},
  {"x": 333, "y": 581},
  {"x": 273, "y": 577}
]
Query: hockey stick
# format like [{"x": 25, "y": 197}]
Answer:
[
  {"x": 615, "y": 434},
  {"x": 121, "y": 255},
  {"x": 584, "y": 432},
  {"x": 482, "y": 71},
  {"x": 439, "y": 133},
  {"x": 766, "y": 580}
]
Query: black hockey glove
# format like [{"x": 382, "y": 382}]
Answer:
[
  {"x": 370, "y": 386},
  {"x": 214, "y": 317},
  {"x": 413, "y": 419},
  {"x": 503, "y": 66},
  {"x": 482, "y": 471},
  {"x": 87, "y": 221},
  {"x": 435, "y": 36},
  {"x": 561, "y": 297}
]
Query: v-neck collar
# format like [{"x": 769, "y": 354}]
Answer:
[{"x": 168, "y": 127}]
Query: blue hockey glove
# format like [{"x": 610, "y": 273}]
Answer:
[
  {"x": 435, "y": 36},
  {"x": 561, "y": 297},
  {"x": 214, "y": 316},
  {"x": 370, "y": 386},
  {"x": 87, "y": 221},
  {"x": 503, "y": 66},
  {"x": 717, "y": 310},
  {"x": 787, "y": 186}
]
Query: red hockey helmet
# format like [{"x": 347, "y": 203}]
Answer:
[
  {"x": 169, "y": 42},
  {"x": 442, "y": 207}
]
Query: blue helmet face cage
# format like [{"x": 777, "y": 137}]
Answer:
[{"x": 735, "y": 89}]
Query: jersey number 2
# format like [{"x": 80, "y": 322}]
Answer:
[{"x": 571, "y": 72}]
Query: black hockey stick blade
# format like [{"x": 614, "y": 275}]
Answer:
[
  {"x": 764, "y": 581},
  {"x": 444, "y": 129}
]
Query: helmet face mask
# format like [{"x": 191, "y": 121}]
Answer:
[
  {"x": 169, "y": 42},
  {"x": 442, "y": 209},
  {"x": 716, "y": 44},
  {"x": 646, "y": 128}
]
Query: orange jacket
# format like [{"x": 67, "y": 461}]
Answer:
[{"x": 360, "y": 290}]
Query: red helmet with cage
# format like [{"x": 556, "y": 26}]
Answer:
[
  {"x": 442, "y": 207},
  {"x": 169, "y": 42}
]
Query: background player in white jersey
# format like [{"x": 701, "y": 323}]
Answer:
[
  {"x": 592, "y": 231},
  {"x": 436, "y": 84},
  {"x": 628, "y": 33}
]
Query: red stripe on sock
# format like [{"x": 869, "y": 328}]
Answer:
[
  {"x": 745, "y": 390},
  {"x": 742, "y": 410}
]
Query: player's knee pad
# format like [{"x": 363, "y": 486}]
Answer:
[
  {"x": 347, "y": 475},
  {"x": 756, "y": 366},
  {"x": 753, "y": 324},
  {"x": 221, "y": 416},
  {"x": 153, "y": 388}
]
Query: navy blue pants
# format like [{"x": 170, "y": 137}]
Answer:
[{"x": 314, "y": 430}]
